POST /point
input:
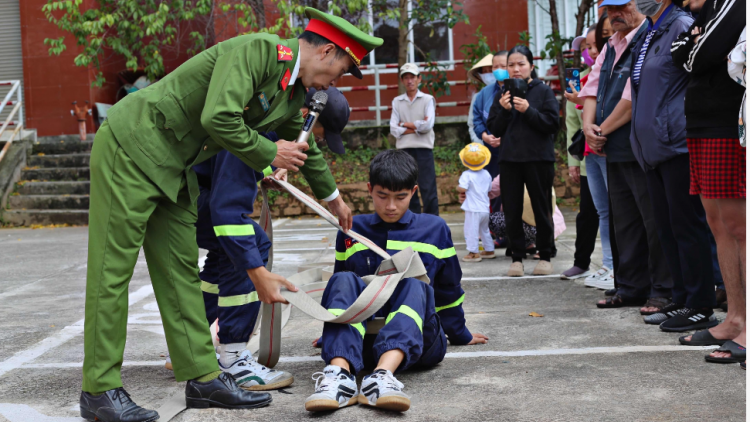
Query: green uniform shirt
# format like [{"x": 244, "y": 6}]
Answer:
[{"x": 213, "y": 101}]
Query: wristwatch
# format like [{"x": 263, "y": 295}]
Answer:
[{"x": 400, "y": 124}]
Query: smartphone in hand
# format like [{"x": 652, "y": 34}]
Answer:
[{"x": 574, "y": 75}]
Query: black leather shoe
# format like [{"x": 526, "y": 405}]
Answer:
[
  {"x": 222, "y": 392},
  {"x": 114, "y": 406}
]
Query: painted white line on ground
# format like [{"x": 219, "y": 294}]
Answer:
[
  {"x": 279, "y": 222},
  {"x": 329, "y": 228},
  {"x": 63, "y": 336},
  {"x": 23, "y": 413},
  {"x": 509, "y": 278},
  {"x": 454, "y": 355},
  {"x": 583, "y": 351}
]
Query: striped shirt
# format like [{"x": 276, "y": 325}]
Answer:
[{"x": 652, "y": 27}]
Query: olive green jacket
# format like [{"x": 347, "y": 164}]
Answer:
[{"x": 211, "y": 102}]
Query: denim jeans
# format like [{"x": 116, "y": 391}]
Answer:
[{"x": 596, "y": 173}]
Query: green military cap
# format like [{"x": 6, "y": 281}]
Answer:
[{"x": 345, "y": 35}]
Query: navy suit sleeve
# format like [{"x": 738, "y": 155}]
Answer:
[
  {"x": 449, "y": 296},
  {"x": 233, "y": 191}
]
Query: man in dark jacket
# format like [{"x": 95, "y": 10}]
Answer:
[
  {"x": 606, "y": 115},
  {"x": 658, "y": 139},
  {"x": 717, "y": 161}
]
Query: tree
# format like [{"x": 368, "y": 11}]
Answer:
[
  {"x": 426, "y": 13},
  {"x": 142, "y": 31}
]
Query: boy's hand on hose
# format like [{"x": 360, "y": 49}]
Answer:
[
  {"x": 269, "y": 285},
  {"x": 339, "y": 208},
  {"x": 478, "y": 339}
]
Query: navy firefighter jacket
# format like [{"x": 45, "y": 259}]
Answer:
[
  {"x": 425, "y": 233},
  {"x": 228, "y": 189}
]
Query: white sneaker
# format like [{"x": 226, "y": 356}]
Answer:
[
  {"x": 607, "y": 282},
  {"x": 168, "y": 362},
  {"x": 381, "y": 389},
  {"x": 333, "y": 390},
  {"x": 593, "y": 278},
  {"x": 251, "y": 375}
]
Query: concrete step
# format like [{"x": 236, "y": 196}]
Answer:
[
  {"x": 60, "y": 160},
  {"x": 65, "y": 146},
  {"x": 52, "y": 174},
  {"x": 54, "y": 188},
  {"x": 45, "y": 217},
  {"x": 49, "y": 202}
]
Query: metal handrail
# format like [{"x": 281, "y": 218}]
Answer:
[{"x": 17, "y": 108}]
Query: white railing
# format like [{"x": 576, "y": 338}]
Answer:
[
  {"x": 17, "y": 108},
  {"x": 377, "y": 87}
]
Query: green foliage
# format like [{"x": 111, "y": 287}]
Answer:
[
  {"x": 434, "y": 78},
  {"x": 524, "y": 38},
  {"x": 475, "y": 52},
  {"x": 142, "y": 31},
  {"x": 555, "y": 45}
]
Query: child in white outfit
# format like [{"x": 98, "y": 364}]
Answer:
[{"x": 476, "y": 183}]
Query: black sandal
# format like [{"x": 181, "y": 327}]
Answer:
[
  {"x": 618, "y": 301},
  {"x": 738, "y": 353},
  {"x": 702, "y": 338},
  {"x": 656, "y": 302}
]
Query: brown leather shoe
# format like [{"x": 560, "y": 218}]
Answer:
[{"x": 487, "y": 254}]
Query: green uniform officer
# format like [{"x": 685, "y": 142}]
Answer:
[{"x": 143, "y": 193}]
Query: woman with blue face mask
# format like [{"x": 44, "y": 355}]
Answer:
[{"x": 481, "y": 108}]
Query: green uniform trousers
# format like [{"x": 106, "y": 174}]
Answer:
[{"x": 129, "y": 211}]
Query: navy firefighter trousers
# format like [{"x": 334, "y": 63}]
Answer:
[{"x": 412, "y": 325}]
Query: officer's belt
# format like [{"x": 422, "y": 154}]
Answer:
[{"x": 312, "y": 283}]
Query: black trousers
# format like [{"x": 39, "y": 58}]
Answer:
[
  {"x": 642, "y": 270},
  {"x": 537, "y": 176},
  {"x": 684, "y": 233},
  {"x": 426, "y": 181},
  {"x": 587, "y": 227}
]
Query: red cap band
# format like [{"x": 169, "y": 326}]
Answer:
[{"x": 338, "y": 37}]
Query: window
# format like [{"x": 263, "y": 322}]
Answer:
[{"x": 439, "y": 46}]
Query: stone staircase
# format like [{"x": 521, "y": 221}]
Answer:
[{"x": 54, "y": 186}]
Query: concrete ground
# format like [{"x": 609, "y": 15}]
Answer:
[{"x": 576, "y": 363}]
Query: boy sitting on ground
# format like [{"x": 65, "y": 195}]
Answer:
[{"x": 417, "y": 316}]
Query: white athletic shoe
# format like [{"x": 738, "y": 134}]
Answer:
[
  {"x": 381, "y": 389},
  {"x": 607, "y": 282},
  {"x": 251, "y": 375},
  {"x": 168, "y": 362},
  {"x": 333, "y": 390},
  {"x": 593, "y": 278}
]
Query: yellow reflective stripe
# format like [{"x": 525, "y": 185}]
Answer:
[
  {"x": 397, "y": 245},
  {"x": 239, "y": 300},
  {"x": 403, "y": 309},
  {"x": 343, "y": 256},
  {"x": 267, "y": 171},
  {"x": 235, "y": 230},
  {"x": 209, "y": 288},
  {"x": 358, "y": 326},
  {"x": 452, "y": 305}
]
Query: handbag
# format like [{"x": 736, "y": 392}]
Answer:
[{"x": 577, "y": 145}]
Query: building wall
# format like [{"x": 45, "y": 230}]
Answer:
[
  {"x": 501, "y": 21},
  {"x": 52, "y": 83}
]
